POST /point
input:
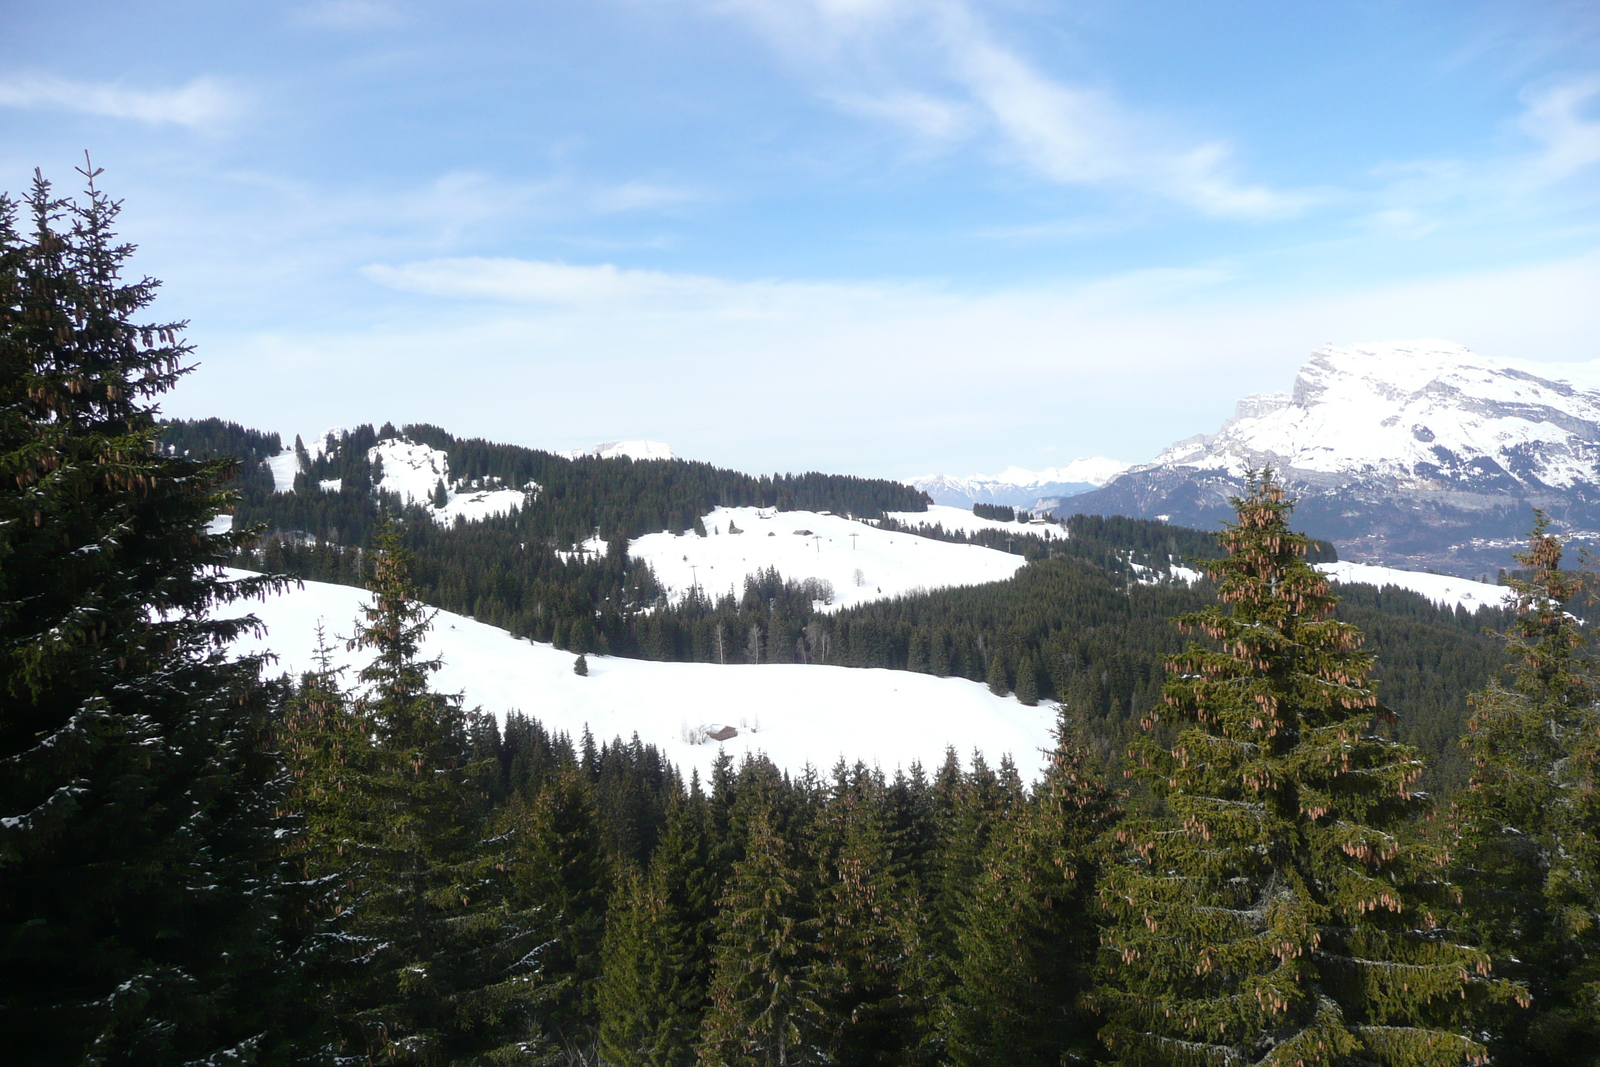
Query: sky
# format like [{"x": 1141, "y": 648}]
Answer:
[{"x": 882, "y": 237}]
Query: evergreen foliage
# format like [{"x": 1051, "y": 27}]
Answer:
[
  {"x": 764, "y": 1008},
  {"x": 1529, "y": 857},
  {"x": 1025, "y": 937},
  {"x": 1277, "y": 908},
  {"x": 139, "y": 882},
  {"x": 447, "y": 973}
]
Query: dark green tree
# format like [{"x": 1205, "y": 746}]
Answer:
[
  {"x": 764, "y": 1011},
  {"x": 1529, "y": 857},
  {"x": 648, "y": 998},
  {"x": 869, "y": 920},
  {"x": 452, "y": 974},
  {"x": 1027, "y": 936},
  {"x": 138, "y": 788},
  {"x": 1278, "y": 908},
  {"x": 561, "y": 871}
]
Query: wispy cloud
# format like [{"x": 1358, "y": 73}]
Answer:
[
  {"x": 870, "y": 55},
  {"x": 1555, "y": 118},
  {"x": 520, "y": 281},
  {"x": 204, "y": 102}
]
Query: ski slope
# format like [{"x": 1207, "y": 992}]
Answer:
[
  {"x": 861, "y": 562},
  {"x": 1443, "y": 589},
  {"x": 796, "y": 714},
  {"x": 963, "y": 520}
]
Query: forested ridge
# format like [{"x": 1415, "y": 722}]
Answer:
[
  {"x": 201, "y": 864},
  {"x": 1077, "y": 625}
]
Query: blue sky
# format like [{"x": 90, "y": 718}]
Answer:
[{"x": 876, "y": 236}]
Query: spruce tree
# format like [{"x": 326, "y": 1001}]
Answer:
[
  {"x": 452, "y": 973},
  {"x": 138, "y": 869},
  {"x": 1529, "y": 858},
  {"x": 869, "y": 921},
  {"x": 561, "y": 871},
  {"x": 648, "y": 997},
  {"x": 1026, "y": 937},
  {"x": 764, "y": 1011},
  {"x": 1278, "y": 908}
]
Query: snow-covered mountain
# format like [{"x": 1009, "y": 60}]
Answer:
[
  {"x": 620, "y": 449},
  {"x": 795, "y": 713},
  {"x": 1018, "y": 487},
  {"x": 1415, "y": 452}
]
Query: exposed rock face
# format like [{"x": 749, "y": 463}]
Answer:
[{"x": 1417, "y": 453}]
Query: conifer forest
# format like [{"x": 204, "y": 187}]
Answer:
[{"x": 1277, "y": 827}]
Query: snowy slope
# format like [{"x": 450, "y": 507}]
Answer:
[
  {"x": 413, "y": 471},
  {"x": 796, "y": 714},
  {"x": 1442, "y": 589},
  {"x": 621, "y": 449},
  {"x": 861, "y": 562},
  {"x": 964, "y": 520},
  {"x": 284, "y": 466}
]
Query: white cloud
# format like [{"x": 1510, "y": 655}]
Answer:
[
  {"x": 867, "y": 52},
  {"x": 204, "y": 102},
  {"x": 520, "y": 281},
  {"x": 1555, "y": 118}
]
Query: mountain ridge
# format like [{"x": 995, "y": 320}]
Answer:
[{"x": 1415, "y": 453}]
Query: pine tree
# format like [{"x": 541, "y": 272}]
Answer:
[
  {"x": 764, "y": 1011},
  {"x": 1529, "y": 858},
  {"x": 1026, "y": 936},
  {"x": 648, "y": 997},
  {"x": 452, "y": 974},
  {"x": 868, "y": 924},
  {"x": 580, "y": 666},
  {"x": 561, "y": 871},
  {"x": 138, "y": 869},
  {"x": 1279, "y": 909},
  {"x": 999, "y": 683},
  {"x": 1027, "y": 682}
]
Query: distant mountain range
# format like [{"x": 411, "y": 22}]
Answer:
[
  {"x": 1420, "y": 454},
  {"x": 1017, "y": 487}
]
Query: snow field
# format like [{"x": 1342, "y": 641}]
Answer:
[
  {"x": 412, "y": 471},
  {"x": 962, "y": 519},
  {"x": 796, "y": 714},
  {"x": 1443, "y": 589},
  {"x": 861, "y": 562}
]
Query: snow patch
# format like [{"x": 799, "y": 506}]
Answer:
[
  {"x": 1443, "y": 589},
  {"x": 797, "y": 714},
  {"x": 284, "y": 466},
  {"x": 953, "y": 519},
  {"x": 413, "y": 472},
  {"x": 861, "y": 562}
]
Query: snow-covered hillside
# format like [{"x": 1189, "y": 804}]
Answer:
[
  {"x": 415, "y": 471},
  {"x": 796, "y": 714},
  {"x": 963, "y": 520},
  {"x": 1442, "y": 589},
  {"x": 620, "y": 450},
  {"x": 1018, "y": 487},
  {"x": 859, "y": 561}
]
